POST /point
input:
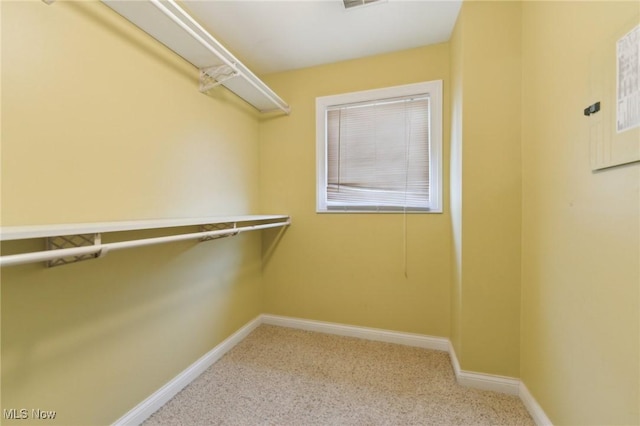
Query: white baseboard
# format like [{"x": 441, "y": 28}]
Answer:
[
  {"x": 502, "y": 384},
  {"x": 146, "y": 408},
  {"x": 407, "y": 339},
  {"x": 491, "y": 382},
  {"x": 534, "y": 409}
]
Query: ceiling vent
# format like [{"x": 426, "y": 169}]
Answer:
[{"x": 350, "y": 4}]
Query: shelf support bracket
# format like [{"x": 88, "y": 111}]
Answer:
[
  {"x": 215, "y": 76},
  {"x": 218, "y": 227},
  {"x": 73, "y": 241}
]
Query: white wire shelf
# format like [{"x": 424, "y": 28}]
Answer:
[
  {"x": 69, "y": 243},
  {"x": 171, "y": 25}
]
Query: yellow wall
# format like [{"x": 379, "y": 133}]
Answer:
[
  {"x": 581, "y": 230},
  {"x": 101, "y": 123},
  {"x": 533, "y": 269},
  {"x": 486, "y": 182},
  {"x": 350, "y": 268}
]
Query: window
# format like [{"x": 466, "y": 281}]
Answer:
[{"x": 380, "y": 150}]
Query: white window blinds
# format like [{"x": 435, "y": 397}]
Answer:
[
  {"x": 378, "y": 154},
  {"x": 380, "y": 150}
]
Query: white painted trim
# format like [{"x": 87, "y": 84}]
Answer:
[
  {"x": 146, "y": 408},
  {"x": 454, "y": 359},
  {"x": 538, "y": 414},
  {"x": 492, "y": 382},
  {"x": 433, "y": 89},
  {"x": 407, "y": 339}
]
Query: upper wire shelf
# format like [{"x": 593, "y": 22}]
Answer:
[{"x": 171, "y": 25}]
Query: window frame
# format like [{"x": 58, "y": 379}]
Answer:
[{"x": 323, "y": 103}]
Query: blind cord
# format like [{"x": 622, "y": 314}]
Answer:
[{"x": 406, "y": 188}]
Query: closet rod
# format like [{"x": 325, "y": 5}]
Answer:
[
  {"x": 102, "y": 249},
  {"x": 215, "y": 50}
]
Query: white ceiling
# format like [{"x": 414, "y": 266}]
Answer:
[{"x": 271, "y": 36}]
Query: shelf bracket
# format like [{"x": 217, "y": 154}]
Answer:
[
  {"x": 73, "y": 241},
  {"x": 218, "y": 227},
  {"x": 215, "y": 76}
]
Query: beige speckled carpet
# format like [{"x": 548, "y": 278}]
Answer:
[{"x": 282, "y": 376}]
